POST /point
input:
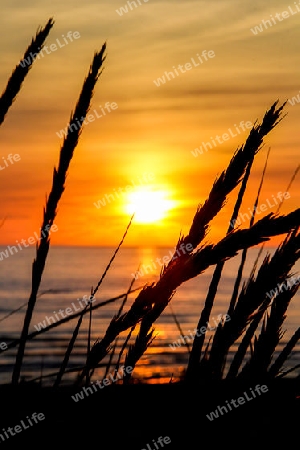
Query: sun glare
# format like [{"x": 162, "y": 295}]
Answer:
[{"x": 149, "y": 206}]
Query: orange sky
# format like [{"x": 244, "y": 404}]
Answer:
[{"x": 154, "y": 129}]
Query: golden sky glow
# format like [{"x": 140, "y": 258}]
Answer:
[
  {"x": 148, "y": 206},
  {"x": 153, "y": 129}
]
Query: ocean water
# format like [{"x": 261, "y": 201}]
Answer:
[{"x": 71, "y": 273}]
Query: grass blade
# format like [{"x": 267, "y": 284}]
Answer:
[
  {"x": 66, "y": 319},
  {"x": 280, "y": 360},
  {"x": 253, "y": 295},
  {"x": 253, "y": 145},
  {"x": 153, "y": 299},
  {"x": 68, "y": 352},
  {"x": 58, "y": 187},
  {"x": 16, "y": 79},
  {"x": 244, "y": 253}
]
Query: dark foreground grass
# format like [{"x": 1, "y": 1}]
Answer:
[{"x": 129, "y": 417}]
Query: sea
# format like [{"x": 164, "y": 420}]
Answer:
[{"x": 70, "y": 275}]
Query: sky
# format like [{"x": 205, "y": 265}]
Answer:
[{"x": 146, "y": 144}]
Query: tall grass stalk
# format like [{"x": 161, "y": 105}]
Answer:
[
  {"x": 273, "y": 271},
  {"x": 276, "y": 212},
  {"x": 58, "y": 186},
  {"x": 269, "y": 337},
  {"x": 68, "y": 351},
  {"x": 239, "y": 165},
  {"x": 88, "y": 308},
  {"x": 252, "y": 146},
  {"x": 284, "y": 354},
  {"x": 179, "y": 327},
  {"x": 112, "y": 353},
  {"x": 32, "y": 335},
  {"x": 239, "y": 355},
  {"x": 245, "y": 251},
  {"x": 153, "y": 299},
  {"x": 18, "y": 76}
]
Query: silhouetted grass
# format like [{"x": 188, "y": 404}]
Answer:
[
  {"x": 244, "y": 252},
  {"x": 15, "y": 82},
  {"x": 273, "y": 271},
  {"x": 153, "y": 299},
  {"x": 271, "y": 334},
  {"x": 58, "y": 186},
  {"x": 248, "y": 307},
  {"x": 252, "y": 146}
]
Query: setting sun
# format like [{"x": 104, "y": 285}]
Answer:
[{"x": 149, "y": 206}]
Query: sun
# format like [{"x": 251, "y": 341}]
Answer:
[{"x": 148, "y": 205}]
